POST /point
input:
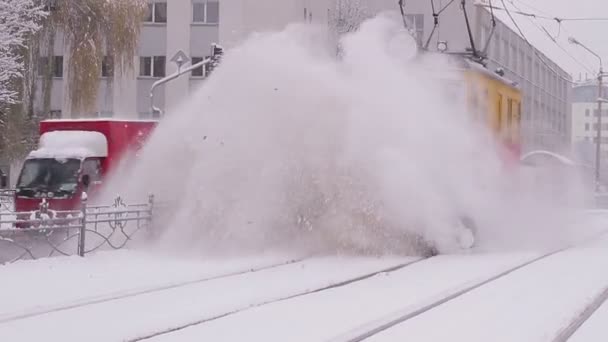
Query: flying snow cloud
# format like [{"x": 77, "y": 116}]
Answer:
[{"x": 286, "y": 147}]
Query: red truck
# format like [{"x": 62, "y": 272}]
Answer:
[{"x": 74, "y": 155}]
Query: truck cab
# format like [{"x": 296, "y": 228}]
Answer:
[
  {"x": 57, "y": 169},
  {"x": 75, "y": 156}
]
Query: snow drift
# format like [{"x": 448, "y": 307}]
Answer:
[{"x": 286, "y": 147}]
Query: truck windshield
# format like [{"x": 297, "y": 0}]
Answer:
[{"x": 48, "y": 175}]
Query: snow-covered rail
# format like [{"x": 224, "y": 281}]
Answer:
[
  {"x": 171, "y": 309},
  {"x": 332, "y": 285},
  {"x": 374, "y": 328},
  {"x": 99, "y": 299},
  {"x": 566, "y": 333},
  {"x": 381, "y": 325}
]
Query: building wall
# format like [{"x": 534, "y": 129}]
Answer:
[
  {"x": 584, "y": 116},
  {"x": 128, "y": 95}
]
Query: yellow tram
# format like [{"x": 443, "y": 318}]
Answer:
[{"x": 493, "y": 99}]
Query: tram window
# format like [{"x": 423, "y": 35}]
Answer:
[
  {"x": 499, "y": 112},
  {"x": 509, "y": 112}
]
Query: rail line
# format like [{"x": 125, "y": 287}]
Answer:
[
  {"x": 565, "y": 334},
  {"x": 136, "y": 292},
  {"x": 373, "y": 328},
  {"x": 300, "y": 294}
]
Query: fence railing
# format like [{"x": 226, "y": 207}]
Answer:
[
  {"x": 6, "y": 200},
  {"x": 46, "y": 232}
]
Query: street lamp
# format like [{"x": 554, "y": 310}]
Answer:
[{"x": 600, "y": 100}]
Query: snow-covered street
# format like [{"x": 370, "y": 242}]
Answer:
[{"x": 128, "y": 295}]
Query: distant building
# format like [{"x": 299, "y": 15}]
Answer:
[{"x": 584, "y": 115}]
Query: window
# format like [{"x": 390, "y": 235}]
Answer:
[
  {"x": 50, "y": 6},
  {"x": 157, "y": 12},
  {"x": 152, "y": 66},
  {"x": 92, "y": 167},
  {"x": 55, "y": 114},
  {"x": 198, "y": 72},
  {"x": 105, "y": 114},
  {"x": 509, "y": 113},
  {"x": 107, "y": 66},
  {"x": 417, "y": 22},
  {"x": 207, "y": 12},
  {"x": 499, "y": 112},
  {"x": 586, "y": 112},
  {"x": 56, "y": 67}
]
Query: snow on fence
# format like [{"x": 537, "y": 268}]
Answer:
[{"x": 46, "y": 232}]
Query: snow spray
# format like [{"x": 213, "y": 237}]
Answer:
[{"x": 286, "y": 147}]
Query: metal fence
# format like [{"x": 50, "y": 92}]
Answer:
[
  {"x": 6, "y": 200},
  {"x": 45, "y": 232}
]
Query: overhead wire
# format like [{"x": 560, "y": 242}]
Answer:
[
  {"x": 547, "y": 17},
  {"x": 554, "y": 40},
  {"x": 436, "y": 15}
]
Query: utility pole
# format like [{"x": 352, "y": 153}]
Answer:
[
  {"x": 600, "y": 99},
  {"x": 598, "y": 148}
]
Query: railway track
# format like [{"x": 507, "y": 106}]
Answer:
[
  {"x": 118, "y": 301},
  {"x": 133, "y": 293},
  {"x": 373, "y": 328},
  {"x": 566, "y": 333},
  {"x": 284, "y": 298}
]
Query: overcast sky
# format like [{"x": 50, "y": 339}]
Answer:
[{"x": 594, "y": 34}]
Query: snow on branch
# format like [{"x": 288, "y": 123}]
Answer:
[{"x": 18, "y": 20}]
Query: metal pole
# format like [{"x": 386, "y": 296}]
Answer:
[
  {"x": 598, "y": 146},
  {"x": 170, "y": 78},
  {"x": 83, "y": 227}
]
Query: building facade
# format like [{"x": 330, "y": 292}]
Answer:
[
  {"x": 170, "y": 26},
  {"x": 192, "y": 26}
]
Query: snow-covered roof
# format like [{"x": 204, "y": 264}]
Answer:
[{"x": 71, "y": 144}]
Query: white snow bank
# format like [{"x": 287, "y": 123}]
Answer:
[{"x": 71, "y": 144}]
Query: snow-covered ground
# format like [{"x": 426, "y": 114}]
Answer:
[
  {"x": 136, "y": 316},
  {"x": 40, "y": 285},
  {"x": 595, "y": 329},
  {"x": 532, "y": 304},
  {"x": 324, "y": 315},
  {"x": 127, "y": 295}
]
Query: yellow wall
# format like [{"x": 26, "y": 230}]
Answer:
[{"x": 497, "y": 103}]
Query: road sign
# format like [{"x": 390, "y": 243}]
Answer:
[{"x": 180, "y": 58}]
